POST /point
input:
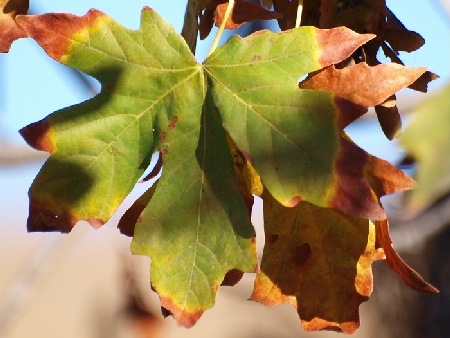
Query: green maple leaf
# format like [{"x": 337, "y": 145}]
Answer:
[
  {"x": 196, "y": 227},
  {"x": 290, "y": 135},
  {"x": 105, "y": 144},
  {"x": 427, "y": 139},
  {"x": 156, "y": 97}
]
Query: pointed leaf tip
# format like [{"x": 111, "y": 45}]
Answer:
[
  {"x": 185, "y": 318},
  {"x": 364, "y": 85},
  {"x": 337, "y": 44},
  {"x": 371, "y": 177},
  {"x": 397, "y": 264},
  {"x": 38, "y": 136}
]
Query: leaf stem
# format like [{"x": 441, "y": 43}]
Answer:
[
  {"x": 298, "y": 19},
  {"x": 222, "y": 27}
]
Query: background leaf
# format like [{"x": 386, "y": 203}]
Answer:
[{"x": 427, "y": 139}]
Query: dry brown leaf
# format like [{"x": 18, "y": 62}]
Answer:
[
  {"x": 288, "y": 10},
  {"x": 319, "y": 260},
  {"x": 243, "y": 12},
  {"x": 10, "y": 31},
  {"x": 369, "y": 176},
  {"x": 364, "y": 85},
  {"x": 389, "y": 118}
]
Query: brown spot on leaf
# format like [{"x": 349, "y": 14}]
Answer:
[
  {"x": 55, "y": 31},
  {"x": 163, "y": 137},
  {"x": 173, "y": 123},
  {"x": 273, "y": 239},
  {"x": 256, "y": 57},
  {"x": 38, "y": 136},
  {"x": 301, "y": 254}
]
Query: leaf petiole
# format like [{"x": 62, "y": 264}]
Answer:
[
  {"x": 299, "y": 14},
  {"x": 222, "y": 27}
]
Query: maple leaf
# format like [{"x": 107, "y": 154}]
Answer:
[
  {"x": 105, "y": 144},
  {"x": 427, "y": 139},
  {"x": 195, "y": 213},
  {"x": 101, "y": 169},
  {"x": 279, "y": 133},
  {"x": 389, "y": 118},
  {"x": 319, "y": 260},
  {"x": 10, "y": 31},
  {"x": 194, "y": 222}
]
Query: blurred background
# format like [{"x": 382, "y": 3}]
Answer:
[{"x": 87, "y": 284}]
